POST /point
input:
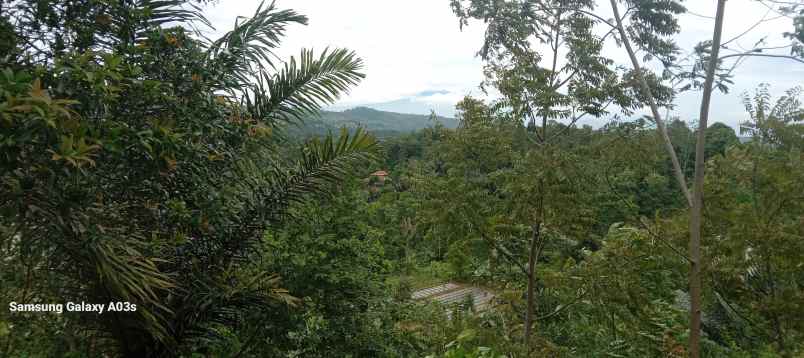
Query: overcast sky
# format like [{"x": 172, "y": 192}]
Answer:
[{"x": 417, "y": 58}]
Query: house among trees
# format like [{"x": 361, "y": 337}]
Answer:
[
  {"x": 376, "y": 181},
  {"x": 378, "y": 177}
]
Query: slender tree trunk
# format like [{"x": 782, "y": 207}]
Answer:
[
  {"x": 654, "y": 108},
  {"x": 534, "y": 244},
  {"x": 697, "y": 190},
  {"x": 695, "y": 200},
  {"x": 535, "y": 250},
  {"x": 777, "y": 323},
  {"x": 779, "y": 332}
]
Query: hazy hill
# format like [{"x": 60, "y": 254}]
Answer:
[{"x": 380, "y": 122}]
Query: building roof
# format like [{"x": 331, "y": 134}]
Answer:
[
  {"x": 380, "y": 173},
  {"x": 450, "y": 293}
]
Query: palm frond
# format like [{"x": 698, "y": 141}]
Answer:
[
  {"x": 242, "y": 57},
  {"x": 252, "y": 42},
  {"x": 226, "y": 299},
  {"x": 126, "y": 274},
  {"x": 302, "y": 87},
  {"x": 267, "y": 188},
  {"x": 325, "y": 162},
  {"x": 172, "y": 11},
  {"x": 146, "y": 15}
]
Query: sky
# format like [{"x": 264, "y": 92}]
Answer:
[{"x": 417, "y": 58}]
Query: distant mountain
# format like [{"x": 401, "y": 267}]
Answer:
[
  {"x": 441, "y": 101},
  {"x": 382, "y": 123}
]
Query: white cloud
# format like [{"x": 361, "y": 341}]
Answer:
[
  {"x": 413, "y": 46},
  {"x": 440, "y": 98},
  {"x": 407, "y": 46}
]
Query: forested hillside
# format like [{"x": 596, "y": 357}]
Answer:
[
  {"x": 381, "y": 123},
  {"x": 164, "y": 194}
]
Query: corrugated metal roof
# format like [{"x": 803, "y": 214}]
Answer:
[{"x": 452, "y": 294}]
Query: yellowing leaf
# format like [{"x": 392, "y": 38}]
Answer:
[
  {"x": 171, "y": 163},
  {"x": 37, "y": 91}
]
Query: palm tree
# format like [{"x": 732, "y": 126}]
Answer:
[{"x": 189, "y": 169}]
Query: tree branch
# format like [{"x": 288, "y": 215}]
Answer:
[
  {"x": 562, "y": 308},
  {"x": 646, "y": 91},
  {"x": 505, "y": 253},
  {"x": 763, "y": 19},
  {"x": 755, "y": 54}
]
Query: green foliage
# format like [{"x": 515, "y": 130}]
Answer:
[
  {"x": 611, "y": 275},
  {"x": 460, "y": 349},
  {"x": 532, "y": 84},
  {"x": 719, "y": 137},
  {"x": 777, "y": 124},
  {"x": 337, "y": 265},
  {"x": 601, "y": 300},
  {"x": 131, "y": 177},
  {"x": 756, "y": 212}
]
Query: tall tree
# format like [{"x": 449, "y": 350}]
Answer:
[
  {"x": 546, "y": 59},
  {"x": 697, "y": 189},
  {"x": 710, "y": 66}
]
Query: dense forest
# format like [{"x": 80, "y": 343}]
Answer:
[
  {"x": 381, "y": 124},
  {"x": 195, "y": 191}
]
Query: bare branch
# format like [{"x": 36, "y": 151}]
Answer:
[
  {"x": 757, "y": 54},
  {"x": 699, "y": 15},
  {"x": 763, "y": 19}
]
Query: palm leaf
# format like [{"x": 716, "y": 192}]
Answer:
[
  {"x": 266, "y": 188},
  {"x": 324, "y": 162},
  {"x": 172, "y": 11},
  {"x": 302, "y": 87},
  {"x": 156, "y": 14},
  {"x": 252, "y": 42},
  {"x": 126, "y": 274}
]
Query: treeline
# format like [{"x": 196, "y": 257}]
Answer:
[
  {"x": 381, "y": 123},
  {"x": 611, "y": 264}
]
